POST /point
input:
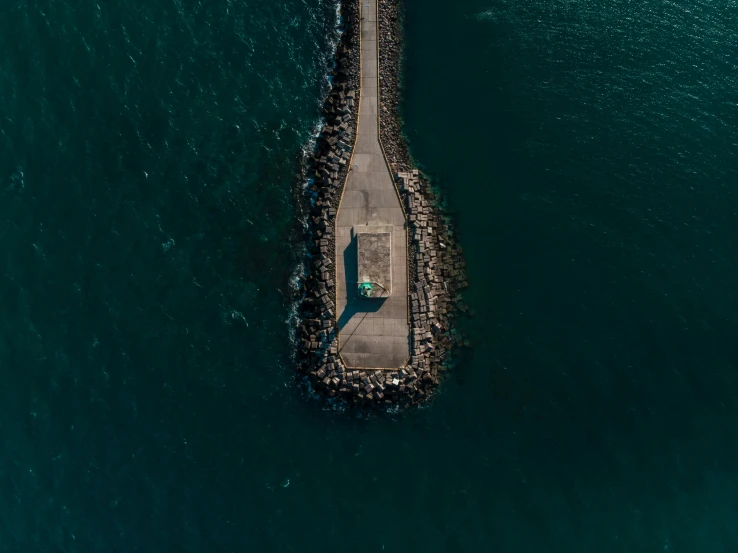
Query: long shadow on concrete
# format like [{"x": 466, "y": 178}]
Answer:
[{"x": 367, "y": 336}]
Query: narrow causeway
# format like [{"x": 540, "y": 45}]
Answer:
[{"x": 371, "y": 237}]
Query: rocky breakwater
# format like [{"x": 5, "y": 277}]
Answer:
[
  {"x": 317, "y": 332},
  {"x": 436, "y": 267}
]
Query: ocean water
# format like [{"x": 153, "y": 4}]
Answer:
[{"x": 150, "y": 234}]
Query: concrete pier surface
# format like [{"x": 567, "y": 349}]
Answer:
[{"x": 373, "y": 333}]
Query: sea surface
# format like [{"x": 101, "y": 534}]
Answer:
[{"x": 151, "y": 234}]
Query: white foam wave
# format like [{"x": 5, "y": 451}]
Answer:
[{"x": 307, "y": 150}]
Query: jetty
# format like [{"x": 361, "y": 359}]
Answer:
[
  {"x": 373, "y": 330},
  {"x": 383, "y": 267}
]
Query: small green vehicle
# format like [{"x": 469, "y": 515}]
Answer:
[{"x": 366, "y": 290}]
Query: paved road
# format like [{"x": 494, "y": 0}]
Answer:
[{"x": 373, "y": 333}]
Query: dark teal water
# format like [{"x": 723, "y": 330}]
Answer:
[{"x": 149, "y": 236}]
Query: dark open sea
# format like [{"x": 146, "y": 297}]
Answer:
[{"x": 150, "y": 235}]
